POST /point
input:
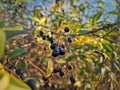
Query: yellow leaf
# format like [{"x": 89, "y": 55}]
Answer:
[
  {"x": 77, "y": 84},
  {"x": 35, "y": 18},
  {"x": 39, "y": 39},
  {"x": 49, "y": 69},
  {"x": 42, "y": 20},
  {"x": 4, "y": 82},
  {"x": 61, "y": 61},
  {"x": 1, "y": 68}
]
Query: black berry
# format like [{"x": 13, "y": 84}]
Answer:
[
  {"x": 66, "y": 29},
  {"x": 52, "y": 32},
  {"x": 53, "y": 45},
  {"x": 57, "y": 70},
  {"x": 55, "y": 52},
  {"x": 34, "y": 84},
  {"x": 13, "y": 68},
  {"x": 18, "y": 71},
  {"x": 61, "y": 74},
  {"x": 51, "y": 39},
  {"x": 61, "y": 51},
  {"x": 62, "y": 46},
  {"x": 41, "y": 33},
  {"x": 56, "y": 1},
  {"x": 23, "y": 75},
  {"x": 44, "y": 78},
  {"x": 69, "y": 40},
  {"x": 72, "y": 79},
  {"x": 70, "y": 67},
  {"x": 43, "y": 37},
  {"x": 46, "y": 85}
]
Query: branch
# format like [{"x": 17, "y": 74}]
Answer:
[{"x": 102, "y": 28}]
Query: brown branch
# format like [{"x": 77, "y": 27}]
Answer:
[
  {"x": 40, "y": 70},
  {"x": 102, "y": 28}
]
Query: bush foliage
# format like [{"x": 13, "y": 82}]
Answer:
[{"x": 59, "y": 43}]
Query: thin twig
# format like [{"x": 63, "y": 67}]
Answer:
[{"x": 40, "y": 70}]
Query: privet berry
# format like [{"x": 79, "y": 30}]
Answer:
[
  {"x": 34, "y": 84},
  {"x": 43, "y": 37},
  {"x": 69, "y": 40},
  {"x": 23, "y": 75},
  {"x": 12, "y": 67},
  {"x": 55, "y": 70},
  {"x": 51, "y": 39},
  {"x": 46, "y": 85},
  {"x": 62, "y": 46},
  {"x": 72, "y": 79},
  {"x": 70, "y": 67},
  {"x": 18, "y": 71},
  {"x": 61, "y": 73},
  {"x": 41, "y": 33},
  {"x": 44, "y": 78},
  {"x": 66, "y": 29},
  {"x": 55, "y": 52},
  {"x": 53, "y": 45},
  {"x": 61, "y": 51}
]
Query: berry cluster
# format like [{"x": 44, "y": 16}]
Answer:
[{"x": 58, "y": 49}]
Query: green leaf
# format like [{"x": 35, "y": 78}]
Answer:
[
  {"x": 16, "y": 84},
  {"x": 97, "y": 17},
  {"x": 14, "y": 34},
  {"x": 49, "y": 69},
  {"x": 82, "y": 57},
  {"x": 109, "y": 47},
  {"x": 83, "y": 31},
  {"x": 114, "y": 13},
  {"x": 2, "y": 43},
  {"x": 70, "y": 58},
  {"x": 17, "y": 52},
  {"x": 15, "y": 28},
  {"x": 22, "y": 0}
]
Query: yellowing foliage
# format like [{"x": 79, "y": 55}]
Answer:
[{"x": 84, "y": 40}]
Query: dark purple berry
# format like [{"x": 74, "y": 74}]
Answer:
[
  {"x": 62, "y": 46},
  {"x": 61, "y": 74},
  {"x": 69, "y": 40},
  {"x": 34, "y": 84},
  {"x": 23, "y": 75},
  {"x": 70, "y": 67},
  {"x": 18, "y": 71},
  {"x": 43, "y": 37},
  {"x": 51, "y": 39},
  {"x": 61, "y": 51},
  {"x": 55, "y": 70},
  {"x": 44, "y": 78},
  {"x": 55, "y": 52},
  {"x": 66, "y": 29},
  {"x": 13, "y": 68},
  {"x": 46, "y": 85},
  {"x": 53, "y": 45},
  {"x": 72, "y": 79},
  {"x": 41, "y": 33},
  {"x": 56, "y": 1}
]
